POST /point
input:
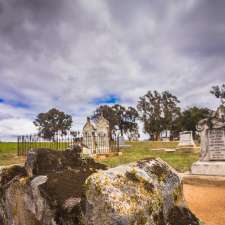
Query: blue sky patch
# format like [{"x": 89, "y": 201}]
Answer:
[
  {"x": 19, "y": 105},
  {"x": 16, "y": 104},
  {"x": 109, "y": 99}
]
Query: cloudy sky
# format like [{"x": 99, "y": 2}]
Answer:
[{"x": 76, "y": 54}]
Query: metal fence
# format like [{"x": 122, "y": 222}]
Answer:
[{"x": 91, "y": 144}]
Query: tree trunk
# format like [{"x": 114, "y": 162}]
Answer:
[{"x": 157, "y": 136}]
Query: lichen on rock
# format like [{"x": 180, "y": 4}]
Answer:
[
  {"x": 48, "y": 190},
  {"x": 143, "y": 193}
]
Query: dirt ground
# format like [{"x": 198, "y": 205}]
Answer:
[{"x": 208, "y": 203}]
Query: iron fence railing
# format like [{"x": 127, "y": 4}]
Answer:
[{"x": 91, "y": 144}]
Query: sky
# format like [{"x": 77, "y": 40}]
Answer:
[{"x": 77, "y": 54}]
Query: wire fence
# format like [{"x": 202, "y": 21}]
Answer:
[{"x": 91, "y": 144}]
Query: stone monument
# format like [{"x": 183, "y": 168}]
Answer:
[
  {"x": 186, "y": 139},
  {"x": 121, "y": 141},
  {"x": 212, "y": 133},
  {"x": 102, "y": 133},
  {"x": 89, "y": 137},
  {"x": 186, "y": 142},
  {"x": 165, "y": 135},
  {"x": 96, "y": 138}
]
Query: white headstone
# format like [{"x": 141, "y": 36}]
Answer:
[
  {"x": 165, "y": 135},
  {"x": 121, "y": 140},
  {"x": 186, "y": 139}
]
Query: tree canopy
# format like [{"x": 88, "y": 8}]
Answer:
[
  {"x": 219, "y": 92},
  {"x": 52, "y": 122},
  {"x": 190, "y": 118},
  {"x": 109, "y": 114},
  {"x": 158, "y": 112},
  {"x": 120, "y": 118}
]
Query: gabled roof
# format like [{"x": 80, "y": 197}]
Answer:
[
  {"x": 102, "y": 121},
  {"x": 89, "y": 126}
]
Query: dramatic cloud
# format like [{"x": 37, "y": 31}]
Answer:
[{"x": 76, "y": 54}]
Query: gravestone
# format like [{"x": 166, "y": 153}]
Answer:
[
  {"x": 212, "y": 133},
  {"x": 186, "y": 139},
  {"x": 96, "y": 137},
  {"x": 165, "y": 135},
  {"x": 186, "y": 142},
  {"x": 216, "y": 144},
  {"x": 102, "y": 133},
  {"x": 121, "y": 141},
  {"x": 133, "y": 135},
  {"x": 89, "y": 138}
]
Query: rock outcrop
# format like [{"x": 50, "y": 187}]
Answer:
[
  {"x": 47, "y": 191},
  {"x": 147, "y": 192},
  {"x": 62, "y": 188}
]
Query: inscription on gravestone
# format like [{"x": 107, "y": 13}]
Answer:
[
  {"x": 212, "y": 132},
  {"x": 186, "y": 139},
  {"x": 216, "y": 144}
]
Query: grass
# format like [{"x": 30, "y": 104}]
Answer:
[
  {"x": 8, "y": 154},
  {"x": 137, "y": 150},
  {"x": 8, "y": 151}
]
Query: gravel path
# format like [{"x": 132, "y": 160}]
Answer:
[{"x": 208, "y": 203}]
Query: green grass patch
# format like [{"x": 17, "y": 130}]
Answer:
[
  {"x": 137, "y": 150},
  {"x": 140, "y": 150},
  {"x": 8, "y": 153}
]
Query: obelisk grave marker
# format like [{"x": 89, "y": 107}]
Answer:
[{"x": 212, "y": 132}]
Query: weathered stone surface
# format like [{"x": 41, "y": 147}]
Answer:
[
  {"x": 96, "y": 137},
  {"x": 147, "y": 192},
  {"x": 8, "y": 173},
  {"x": 8, "y": 176},
  {"x": 59, "y": 188},
  {"x": 42, "y": 161},
  {"x": 48, "y": 192},
  {"x": 210, "y": 168},
  {"x": 212, "y": 133}
]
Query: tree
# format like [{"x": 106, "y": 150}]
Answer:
[
  {"x": 109, "y": 114},
  {"x": 150, "y": 112},
  {"x": 119, "y": 117},
  {"x": 219, "y": 92},
  {"x": 126, "y": 119},
  {"x": 120, "y": 113},
  {"x": 190, "y": 117},
  {"x": 130, "y": 122},
  {"x": 52, "y": 122},
  {"x": 171, "y": 113},
  {"x": 158, "y": 112}
]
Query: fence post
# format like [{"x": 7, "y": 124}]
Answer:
[
  {"x": 30, "y": 147},
  {"x": 18, "y": 147},
  {"x": 98, "y": 144},
  {"x": 118, "y": 144}
]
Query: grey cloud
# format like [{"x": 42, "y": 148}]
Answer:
[
  {"x": 200, "y": 31},
  {"x": 66, "y": 53}
]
